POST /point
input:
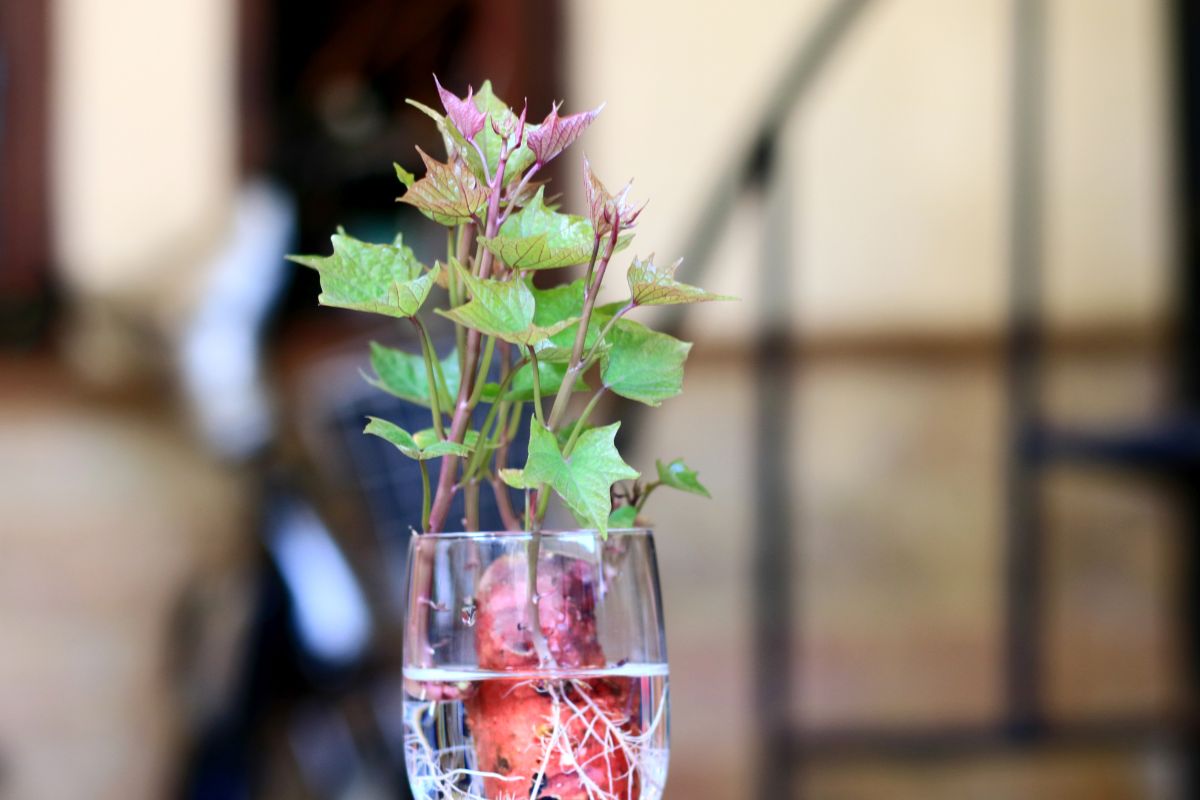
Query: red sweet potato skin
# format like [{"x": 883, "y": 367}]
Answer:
[{"x": 511, "y": 720}]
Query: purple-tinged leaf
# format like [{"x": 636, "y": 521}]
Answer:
[
  {"x": 465, "y": 115},
  {"x": 449, "y": 194},
  {"x": 651, "y": 286},
  {"x": 606, "y": 210},
  {"x": 456, "y": 144},
  {"x": 539, "y": 238},
  {"x": 505, "y": 124},
  {"x": 556, "y": 133}
]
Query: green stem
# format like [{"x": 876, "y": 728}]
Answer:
[
  {"x": 515, "y": 423},
  {"x": 590, "y": 292},
  {"x": 425, "y": 499},
  {"x": 512, "y": 197},
  {"x": 484, "y": 365},
  {"x": 435, "y": 405},
  {"x": 543, "y": 503},
  {"x": 537, "y": 387},
  {"x": 590, "y": 358},
  {"x": 581, "y": 422},
  {"x": 497, "y": 407},
  {"x": 650, "y": 487}
]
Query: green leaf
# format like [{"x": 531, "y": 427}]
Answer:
[
  {"x": 405, "y": 177},
  {"x": 678, "y": 476},
  {"x": 651, "y": 286},
  {"x": 403, "y": 374},
  {"x": 516, "y": 479},
  {"x": 449, "y": 194},
  {"x": 550, "y": 378},
  {"x": 520, "y": 387},
  {"x": 406, "y": 443},
  {"x": 490, "y": 142},
  {"x": 504, "y": 309},
  {"x": 582, "y": 480},
  {"x": 563, "y": 302},
  {"x": 623, "y": 517},
  {"x": 565, "y": 433},
  {"x": 537, "y": 238},
  {"x": 377, "y": 278},
  {"x": 428, "y": 438},
  {"x": 643, "y": 365}
]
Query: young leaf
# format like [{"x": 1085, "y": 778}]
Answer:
[
  {"x": 403, "y": 374},
  {"x": 605, "y": 209},
  {"x": 651, "y": 286},
  {"x": 583, "y": 480},
  {"x": 537, "y": 238},
  {"x": 623, "y": 517},
  {"x": 465, "y": 115},
  {"x": 678, "y": 476},
  {"x": 556, "y": 133},
  {"x": 377, "y": 278},
  {"x": 456, "y": 145},
  {"x": 643, "y": 365},
  {"x": 449, "y": 194},
  {"x": 491, "y": 141},
  {"x": 407, "y": 444},
  {"x": 504, "y": 309}
]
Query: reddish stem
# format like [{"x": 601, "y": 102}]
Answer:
[{"x": 447, "y": 485}]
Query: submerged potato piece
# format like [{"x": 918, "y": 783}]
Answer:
[
  {"x": 567, "y": 736},
  {"x": 566, "y": 606},
  {"x": 576, "y": 731}
]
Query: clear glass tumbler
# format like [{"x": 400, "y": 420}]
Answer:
[{"x": 555, "y": 693}]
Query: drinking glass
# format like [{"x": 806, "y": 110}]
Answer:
[{"x": 535, "y": 667}]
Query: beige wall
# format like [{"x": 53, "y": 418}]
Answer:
[
  {"x": 144, "y": 155},
  {"x": 900, "y": 182},
  {"x": 900, "y": 161}
]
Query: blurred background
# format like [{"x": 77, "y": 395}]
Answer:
[{"x": 951, "y": 430}]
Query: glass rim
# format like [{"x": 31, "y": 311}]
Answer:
[{"x": 570, "y": 534}]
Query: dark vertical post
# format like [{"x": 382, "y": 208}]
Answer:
[
  {"x": 775, "y": 633},
  {"x": 1184, "y": 26},
  {"x": 1023, "y": 569},
  {"x": 1184, "y": 29},
  {"x": 24, "y": 168}
]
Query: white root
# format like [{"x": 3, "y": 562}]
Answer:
[{"x": 448, "y": 773}]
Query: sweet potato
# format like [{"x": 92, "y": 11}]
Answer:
[{"x": 566, "y": 735}]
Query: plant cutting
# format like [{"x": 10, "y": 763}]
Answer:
[{"x": 534, "y": 660}]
